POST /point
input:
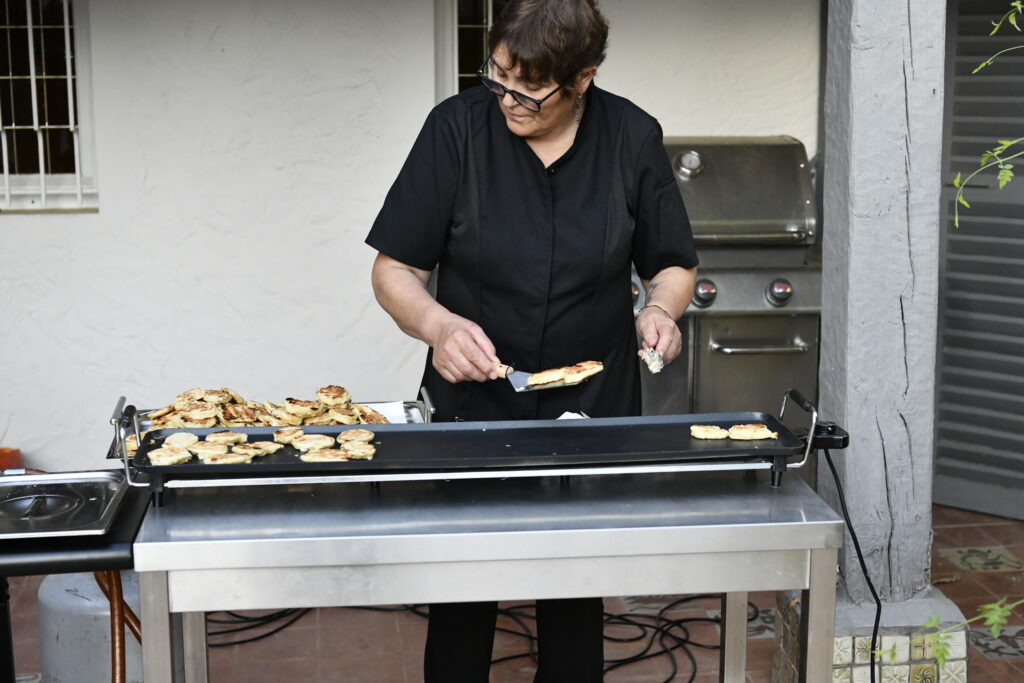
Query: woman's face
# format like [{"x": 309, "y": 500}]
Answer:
[{"x": 556, "y": 111}]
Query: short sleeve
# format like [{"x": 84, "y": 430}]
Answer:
[
  {"x": 417, "y": 212},
  {"x": 661, "y": 237}
]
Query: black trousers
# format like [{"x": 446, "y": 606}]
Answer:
[{"x": 570, "y": 641}]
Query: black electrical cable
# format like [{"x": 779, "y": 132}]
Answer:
[
  {"x": 860, "y": 559},
  {"x": 292, "y": 615}
]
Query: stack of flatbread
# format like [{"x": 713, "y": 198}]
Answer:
[{"x": 234, "y": 448}]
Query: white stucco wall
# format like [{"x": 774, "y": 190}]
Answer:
[
  {"x": 243, "y": 148},
  {"x": 718, "y": 67}
]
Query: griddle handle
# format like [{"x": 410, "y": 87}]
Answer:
[
  {"x": 801, "y": 400},
  {"x": 797, "y": 396}
]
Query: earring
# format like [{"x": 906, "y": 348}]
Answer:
[{"x": 579, "y": 107}]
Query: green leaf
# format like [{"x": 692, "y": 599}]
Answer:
[
  {"x": 933, "y": 621},
  {"x": 960, "y": 198},
  {"x": 1005, "y": 175},
  {"x": 995, "y": 615},
  {"x": 941, "y": 645},
  {"x": 1013, "y": 20},
  {"x": 985, "y": 157},
  {"x": 982, "y": 65},
  {"x": 956, "y": 181}
]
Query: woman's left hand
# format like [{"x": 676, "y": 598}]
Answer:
[{"x": 659, "y": 331}]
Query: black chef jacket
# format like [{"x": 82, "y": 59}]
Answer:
[{"x": 538, "y": 257}]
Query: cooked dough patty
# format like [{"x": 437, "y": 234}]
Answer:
[
  {"x": 169, "y": 455},
  {"x": 358, "y": 450},
  {"x": 368, "y": 415},
  {"x": 253, "y": 450},
  {"x": 546, "y": 377},
  {"x": 268, "y": 446},
  {"x": 206, "y": 448},
  {"x": 345, "y": 416},
  {"x": 226, "y": 437},
  {"x": 333, "y": 395},
  {"x": 364, "y": 435},
  {"x": 324, "y": 455},
  {"x": 751, "y": 432},
  {"x": 287, "y": 434},
  {"x": 708, "y": 432},
  {"x": 582, "y": 370},
  {"x": 309, "y": 442},
  {"x": 181, "y": 439},
  {"x": 227, "y": 459},
  {"x": 303, "y": 408}
]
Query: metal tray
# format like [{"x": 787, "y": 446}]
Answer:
[
  {"x": 510, "y": 445},
  {"x": 61, "y": 504}
]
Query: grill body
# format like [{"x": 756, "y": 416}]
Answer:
[{"x": 753, "y": 329}]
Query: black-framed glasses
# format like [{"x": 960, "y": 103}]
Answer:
[{"x": 531, "y": 103}]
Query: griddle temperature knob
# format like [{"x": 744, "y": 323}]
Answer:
[
  {"x": 689, "y": 164},
  {"x": 704, "y": 293},
  {"x": 779, "y": 292}
]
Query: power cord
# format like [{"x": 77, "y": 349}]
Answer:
[{"x": 860, "y": 559}]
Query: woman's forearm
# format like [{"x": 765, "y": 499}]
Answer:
[
  {"x": 402, "y": 291},
  {"x": 671, "y": 290}
]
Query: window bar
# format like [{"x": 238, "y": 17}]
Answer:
[
  {"x": 72, "y": 124},
  {"x": 35, "y": 103},
  {"x": 3, "y": 154}
]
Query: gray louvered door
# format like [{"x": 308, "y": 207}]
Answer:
[{"x": 979, "y": 458}]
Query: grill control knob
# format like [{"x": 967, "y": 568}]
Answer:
[
  {"x": 779, "y": 292},
  {"x": 689, "y": 164},
  {"x": 704, "y": 293}
]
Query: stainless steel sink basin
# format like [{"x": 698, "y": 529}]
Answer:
[{"x": 61, "y": 504}]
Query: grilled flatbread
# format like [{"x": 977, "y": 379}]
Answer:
[
  {"x": 131, "y": 444},
  {"x": 358, "y": 450},
  {"x": 708, "y": 432},
  {"x": 546, "y": 377},
  {"x": 325, "y": 455},
  {"x": 368, "y": 415},
  {"x": 280, "y": 416},
  {"x": 190, "y": 396},
  {"x": 268, "y": 446},
  {"x": 751, "y": 432},
  {"x": 227, "y": 459},
  {"x": 253, "y": 450},
  {"x": 287, "y": 434},
  {"x": 582, "y": 370},
  {"x": 318, "y": 421},
  {"x": 236, "y": 415},
  {"x": 653, "y": 359},
  {"x": 309, "y": 442},
  {"x": 160, "y": 412},
  {"x": 181, "y": 440},
  {"x": 197, "y": 410},
  {"x": 333, "y": 396},
  {"x": 169, "y": 455},
  {"x": 364, "y": 435},
  {"x": 226, "y": 437},
  {"x": 345, "y": 416},
  {"x": 207, "y": 448},
  {"x": 235, "y": 396},
  {"x": 303, "y": 408},
  {"x": 198, "y": 424},
  {"x": 217, "y": 396}
]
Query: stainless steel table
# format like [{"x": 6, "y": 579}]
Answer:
[{"x": 446, "y": 541}]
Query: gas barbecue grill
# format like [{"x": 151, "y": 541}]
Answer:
[
  {"x": 495, "y": 450},
  {"x": 752, "y": 329}
]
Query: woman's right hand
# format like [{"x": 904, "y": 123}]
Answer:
[{"x": 462, "y": 352}]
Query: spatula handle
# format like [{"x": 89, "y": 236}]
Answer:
[{"x": 503, "y": 370}]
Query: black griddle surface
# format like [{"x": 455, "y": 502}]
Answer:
[{"x": 509, "y": 445}]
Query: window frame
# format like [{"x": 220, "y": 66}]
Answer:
[{"x": 63, "y": 192}]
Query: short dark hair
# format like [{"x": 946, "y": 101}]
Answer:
[{"x": 550, "y": 40}]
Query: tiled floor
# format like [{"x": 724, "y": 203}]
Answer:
[{"x": 340, "y": 644}]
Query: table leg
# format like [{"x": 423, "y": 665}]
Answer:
[
  {"x": 194, "y": 636},
  {"x": 818, "y": 618},
  {"x": 157, "y": 656},
  {"x": 6, "y": 634},
  {"x": 732, "y": 663}
]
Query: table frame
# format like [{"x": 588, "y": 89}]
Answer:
[{"x": 801, "y": 557}]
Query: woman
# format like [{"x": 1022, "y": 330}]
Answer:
[{"x": 532, "y": 195}]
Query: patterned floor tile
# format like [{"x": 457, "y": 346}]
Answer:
[{"x": 984, "y": 559}]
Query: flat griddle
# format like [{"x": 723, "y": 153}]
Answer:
[{"x": 504, "y": 445}]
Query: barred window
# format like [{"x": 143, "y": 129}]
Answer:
[
  {"x": 40, "y": 142},
  {"x": 475, "y": 18}
]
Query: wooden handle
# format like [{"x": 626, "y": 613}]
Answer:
[{"x": 503, "y": 370}]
